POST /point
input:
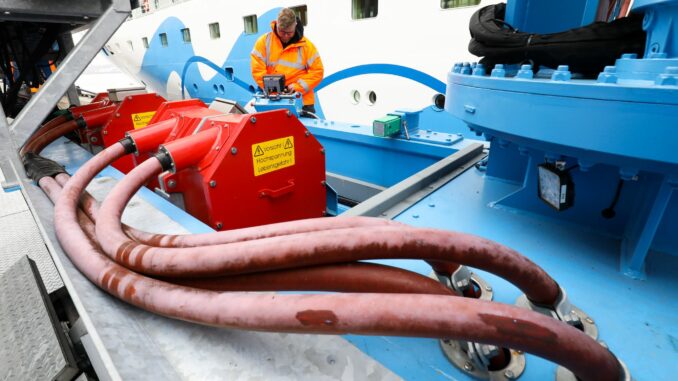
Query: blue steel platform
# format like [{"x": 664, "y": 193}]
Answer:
[{"x": 637, "y": 319}]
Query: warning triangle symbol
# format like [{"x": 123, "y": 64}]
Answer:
[
  {"x": 258, "y": 151},
  {"x": 288, "y": 144}
]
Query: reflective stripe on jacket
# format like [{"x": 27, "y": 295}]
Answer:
[{"x": 299, "y": 62}]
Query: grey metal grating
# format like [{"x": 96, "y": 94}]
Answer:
[
  {"x": 30, "y": 348},
  {"x": 19, "y": 236}
]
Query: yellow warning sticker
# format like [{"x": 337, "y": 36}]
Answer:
[
  {"x": 141, "y": 119},
  {"x": 273, "y": 155}
]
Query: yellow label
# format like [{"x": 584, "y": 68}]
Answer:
[
  {"x": 273, "y": 155},
  {"x": 141, "y": 119}
]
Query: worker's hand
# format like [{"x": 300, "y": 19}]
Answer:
[{"x": 291, "y": 89}]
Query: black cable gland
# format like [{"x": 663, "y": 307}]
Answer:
[
  {"x": 165, "y": 159},
  {"x": 80, "y": 122},
  {"x": 129, "y": 145},
  {"x": 38, "y": 167}
]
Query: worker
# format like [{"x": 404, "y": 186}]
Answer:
[{"x": 285, "y": 50}]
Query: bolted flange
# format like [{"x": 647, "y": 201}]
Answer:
[
  {"x": 463, "y": 280},
  {"x": 474, "y": 359},
  {"x": 564, "y": 311}
]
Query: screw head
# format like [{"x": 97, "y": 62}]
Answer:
[
  {"x": 219, "y": 225},
  {"x": 322, "y": 151},
  {"x": 509, "y": 374},
  {"x": 488, "y": 288},
  {"x": 307, "y": 133},
  {"x": 213, "y": 183},
  {"x": 253, "y": 120},
  {"x": 289, "y": 113},
  {"x": 93, "y": 139},
  {"x": 589, "y": 320},
  {"x": 234, "y": 150},
  {"x": 171, "y": 183},
  {"x": 468, "y": 366}
]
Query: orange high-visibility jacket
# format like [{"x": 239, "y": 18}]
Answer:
[{"x": 299, "y": 62}]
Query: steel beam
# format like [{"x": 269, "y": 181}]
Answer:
[
  {"x": 70, "y": 69},
  {"x": 399, "y": 197},
  {"x": 71, "y": 11}
]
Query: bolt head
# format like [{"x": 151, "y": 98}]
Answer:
[
  {"x": 213, "y": 183},
  {"x": 468, "y": 367},
  {"x": 253, "y": 120},
  {"x": 509, "y": 374},
  {"x": 219, "y": 225},
  {"x": 171, "y": 184},
  {"x": 234, "y": 150}
]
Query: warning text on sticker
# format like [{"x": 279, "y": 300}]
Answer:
[
  {"x": 140, "y": 120},
  {"x": 273, "y": 155}
]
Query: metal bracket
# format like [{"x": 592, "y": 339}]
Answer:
[
  {"x": 118, "y": 94},
  {"x": 474, "y": 359},
  {"x": 11, "y": 182},
  {"x": 564, "y": 311},
  {"x": 463, "y": 279},
  {"x": 40, "y": 105}
]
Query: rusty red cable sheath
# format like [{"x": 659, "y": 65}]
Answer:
[
  {"x": 43, "y": 129},
  {"x": 45, "y": 136},
  {"x": 38, "y": 143},
  {"x": 309, "y": 249},
  {"x": 351, "y": 277},
  {"x": 345, "y": 277},
  {"x": 373, "y": 314}
]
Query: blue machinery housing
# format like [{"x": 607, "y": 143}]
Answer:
[{"x": 620, "y": 127}]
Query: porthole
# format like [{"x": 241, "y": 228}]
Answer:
[
  {"x": 355, "y": 97},
  {"x": 438, "y": 102},
  {"x": 371, "y": 97}
]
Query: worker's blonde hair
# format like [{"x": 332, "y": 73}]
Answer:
[{"x": 286, "y": 18}]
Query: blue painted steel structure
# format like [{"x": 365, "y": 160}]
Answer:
[
  {"x": 620, "y": 126},
  {"x": 376, "y": 160}
]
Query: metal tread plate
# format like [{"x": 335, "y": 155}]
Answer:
[{"x": 31, "y": 347}]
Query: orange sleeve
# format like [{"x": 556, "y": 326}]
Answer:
[{"x": 315, "y": 71}]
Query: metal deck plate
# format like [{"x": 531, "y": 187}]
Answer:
[
  {"x": 19, "y": 236},
  {"x": 29, "y": 346}
]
